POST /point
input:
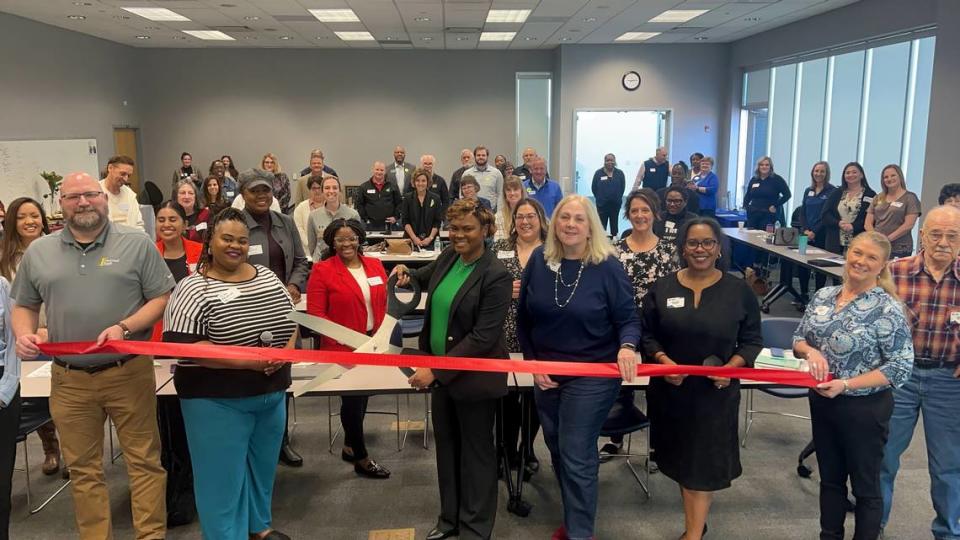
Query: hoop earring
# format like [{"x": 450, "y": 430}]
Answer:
[{"x": 719, "y": 255}]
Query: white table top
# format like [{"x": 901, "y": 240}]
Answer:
[
  {"x": 38, "y": 385},
  {"x": 379, "y": 235},
  {"x": 755, "y": 239},
  {"x": 402, "y": 296}
]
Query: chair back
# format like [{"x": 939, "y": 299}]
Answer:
[{"x": 778, "y": 331}]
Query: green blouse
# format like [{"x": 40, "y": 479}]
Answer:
[{"x": 441, "y": 302}]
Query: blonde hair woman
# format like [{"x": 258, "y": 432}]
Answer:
[
  {"x": 513, "y": 194},
  {"x": 857, "y": 332},
  {"x": 894, "y": 211},
  {"x": 281, "y": 183},
  {"x": 576, "y": 304}
]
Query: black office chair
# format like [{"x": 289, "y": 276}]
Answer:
[
  {"x": 626, "y": 420},
  {"x": 33, "y": 416},
  {"x": 150, "y": 195}
]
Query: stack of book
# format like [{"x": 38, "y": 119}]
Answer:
[{"x": 779, "y": 359}]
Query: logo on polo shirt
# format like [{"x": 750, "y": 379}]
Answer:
[{"x": 104, "y": 261}]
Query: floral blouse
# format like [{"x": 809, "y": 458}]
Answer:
[
  {"x": 281, "y": 190},
  {"x": 507, "y": 254},
  {"x": 848, "y": 209},
  {"x": 646, "y": 267},
  {"x": 871, "y": 332}
]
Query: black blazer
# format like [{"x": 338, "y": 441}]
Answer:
[
  {"x": 421, "y": 218},
  {"x": 830, "y": 218},
  {"x": 475, "y": 328}
]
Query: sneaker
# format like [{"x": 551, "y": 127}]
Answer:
[{"x": 609, "y": 450}]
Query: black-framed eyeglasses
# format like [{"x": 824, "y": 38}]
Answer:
[{"x": 707, "y": 243}]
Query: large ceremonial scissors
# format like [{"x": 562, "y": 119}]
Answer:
[{"x": 379, "y": 343}]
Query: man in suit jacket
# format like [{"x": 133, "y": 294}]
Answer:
[
  {"x": 400, "y": 172},
  {"x": 465, "y": 402}
]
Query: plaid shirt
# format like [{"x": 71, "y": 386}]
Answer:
[{"x": 933, "y": 308}]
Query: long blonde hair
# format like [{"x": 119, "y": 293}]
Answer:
[
  {"x": 884, "y": 190},
  {"x": 276, "y": 163},
  {"x": 598, "y": 247},
  {"x": 884, "y": 280},
  {"x": 506, "y": 213}
]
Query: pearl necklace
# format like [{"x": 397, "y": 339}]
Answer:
[{"x": 559, "y": 280}]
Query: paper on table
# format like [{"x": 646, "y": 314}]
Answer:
[{"x": 42, "y": 372}]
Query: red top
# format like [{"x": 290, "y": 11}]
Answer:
[
  {"x": 333, "y": 294},
  {"x": 193, "y": 251}
]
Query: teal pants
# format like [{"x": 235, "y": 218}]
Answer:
[{"x": 234, "y": 444}]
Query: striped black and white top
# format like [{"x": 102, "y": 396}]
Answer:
[{"x": 227, "y": 313}]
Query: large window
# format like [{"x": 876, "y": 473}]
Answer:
[{"x": 869, "y": 106}]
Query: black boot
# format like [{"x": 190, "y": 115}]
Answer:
[{"x": 289, "y": 456}]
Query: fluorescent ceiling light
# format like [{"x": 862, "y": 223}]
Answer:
[
  {"x": 335, "y": 15},
  {"x": 156, "y": 14},
  {"x": 214, "y": 35},
  {"x": 507, "y": 15},
  {"x": 637, "y": 36},
  {"x": 497, "y": 36},
  {"x": 355, "y": 36},
  {"x": 678, "y": 15}
]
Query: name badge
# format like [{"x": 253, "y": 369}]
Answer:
[
  {"x": 821, "y": 310},
  {"x": 555, "y": 266},
  {"x": 229, "y": 194},
  {"x": 202, "y": 226},
  {"x": 255, "y": 250},
  {"x": 505, "y": 254},
  {"x": 868, "y": 199},
  {"x": 811, "y": 193},
  {"x": 229, "y": 295},
  {"x": 372, "y": 191},
  {"x": 192, "y": 268},
  {"x": 955, "y": 317},
  {"x": 675, "y": 302},
  {"x": 604, "y": 177},
  {"x": 896, "y": 204},
  {"x": 123, "y": 207},
  {"x": 375, "y": 280},
  {"x": 626, "y": 256},
  {"x": 653, "y": 169},
  {"x": 754, "y": 186}
]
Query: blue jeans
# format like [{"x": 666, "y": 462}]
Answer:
[
  {"x": 935, "y": 393},
  {"x": 234, "y": 444},
  {"x": 571, "y": 417}
]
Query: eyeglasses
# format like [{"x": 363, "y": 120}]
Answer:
[
  {"x": 526, "y": 217},
  {"x": 937, "y": 236},
  {"x": 346, "y": 240},
  {"x": 708, "y": 244},
  {"x": 88, "y": 195},
  {"x": 674, "y": 202}
]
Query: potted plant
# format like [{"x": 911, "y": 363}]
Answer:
[{"x": 53, "y": 183}]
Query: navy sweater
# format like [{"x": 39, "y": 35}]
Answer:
[{"x": 600, "y": 317}]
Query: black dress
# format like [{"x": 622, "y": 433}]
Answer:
[{"x": 694, "y": 426}]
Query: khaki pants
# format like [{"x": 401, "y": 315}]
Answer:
[{"x": 79, "y": 404}]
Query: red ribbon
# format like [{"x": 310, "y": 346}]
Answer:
[{"x": 580, "y": 369}]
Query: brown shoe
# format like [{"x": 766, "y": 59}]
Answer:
[{"x": 51, "y": 464}]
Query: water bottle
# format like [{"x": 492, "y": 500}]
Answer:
[{"x": 436, "y": 243}]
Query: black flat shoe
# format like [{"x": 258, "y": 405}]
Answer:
[
  {"x": 276, "y": 535},
  {"x": 702, "y": 535},
  {"x": 439, "y": 534},
  {"x": 349, "y": 458},
  {"x": 290, "y": 457},
  {"x": 372, "y": 470}
]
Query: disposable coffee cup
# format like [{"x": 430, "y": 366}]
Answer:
[{"x": 740, "y": 225}]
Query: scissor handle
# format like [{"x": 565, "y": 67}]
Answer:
[{"x": 396, "y": 308}]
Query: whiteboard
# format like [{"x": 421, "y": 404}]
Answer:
[{"x": 22, "y": 161}]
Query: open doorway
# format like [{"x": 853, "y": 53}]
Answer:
[{"x": 631, "y": 135}]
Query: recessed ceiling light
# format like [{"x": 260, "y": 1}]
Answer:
[
  {"x": 462, "y": 38},
  {"x": 251, "y": 18},
  {"x": 179, "y": 37},
  {"x": 637, "y": 36},
  {"x": 497, "y": 36},
  {"x": 285, "y": 38},
  {"x": 76, "y": 17},
  {"x": 121, "y": 17},
  {"x": 143, "y": 37},
  {"x": 211, "y": 35},
  {"x": 335, "y": 15},
  {"x": 752, "y": 19},
  {"x": 426, "y": 38},
  {"x": 355, "y": 36},
  {"x": 678, "y": 15},
  {"x": 151, "y": 28},
  {"x": 250, "y": 38},
  {"x": 574, "y": 30},
  {"x": 507, "y": 15},
  {"x": 156, "y": 14},
  {"x": 529, "y": 38},
  {"x": 589, "y": 19},
  {"x": 565, "y": 39},
  {"x": 701, "y": 38},
  {"x": 323, "y": 37},
  {"x": 422, "y": 19},
  {"x": 82, "y": 4},
  {"x": 228, "y": 5}
]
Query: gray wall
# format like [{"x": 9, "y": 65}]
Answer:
[
  {"x": 356, "y": 105},
  {"x": 855, "y": 22},
  {"x": 56, "y": 84},
  {"x": 689, "y": 79}
]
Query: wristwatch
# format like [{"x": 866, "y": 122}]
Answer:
[
  {"x": 846, "y": 386},
  {"x": 126, "y": 329}
]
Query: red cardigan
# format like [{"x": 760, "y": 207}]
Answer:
[
  {"x": 193, "y": 251},
  {"x": 333, "y": 294}
]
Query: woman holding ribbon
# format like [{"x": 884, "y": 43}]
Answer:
[
  {"x": 576, "y": 305},
  {"x": 857, "y": 332},
  {"x": 468, "y": 294},
  {"x": 351, "y": 290},
  {"x": 700, "y": 315},
  {"x": 233, "y": 409}
]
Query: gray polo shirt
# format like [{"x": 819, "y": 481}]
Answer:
[
  {"x": 85, "y": 290},
  {"x": 318, "y": 221},
  {"x": 491, "y": 183}
]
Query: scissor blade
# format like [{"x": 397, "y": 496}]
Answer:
[
  {"x": 332, "y": 330},
  {"x": 332, "y": 372},
  {"x": 379, "y": 343}
]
